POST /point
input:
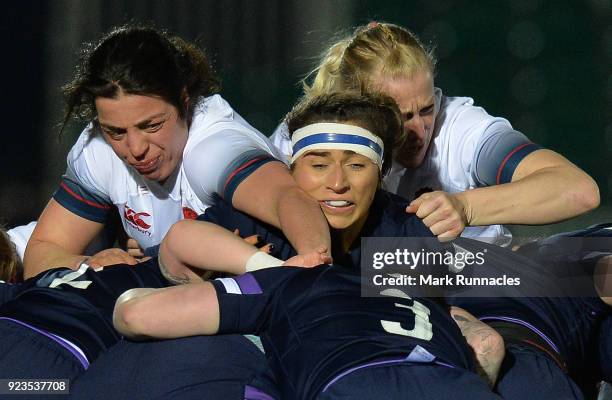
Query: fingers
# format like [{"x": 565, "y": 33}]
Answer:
[
  {"x": 326, "y": 259},
  {"x": 268, "y": 248},
  {"x": 136, "y": 253},
  {"x": 253, "y": 240},
  {"x": 441, "y": 213},
  {"x": 416, "y": 203},
  {"x": 111, "y": 257},
  {"x": 133, "y": 248}
]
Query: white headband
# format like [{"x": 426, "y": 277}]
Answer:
[{"x": 328, "y": 135}]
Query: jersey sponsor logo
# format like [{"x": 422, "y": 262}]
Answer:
[
  {"x": 136, "y": 218},
  {"x": 188, "y": 213}
]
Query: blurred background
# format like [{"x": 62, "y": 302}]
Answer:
[{"x": 546, "y": 65}]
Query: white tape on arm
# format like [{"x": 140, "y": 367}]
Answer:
[{"x": 261, "y": 260}]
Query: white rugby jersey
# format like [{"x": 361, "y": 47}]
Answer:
[
  {"x": 20, "y": 235},
  {"x": 463, "y": 136},
  {"x": 222, "y": 149}
]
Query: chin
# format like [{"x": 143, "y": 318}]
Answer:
[{"x": 336, "y": 225}]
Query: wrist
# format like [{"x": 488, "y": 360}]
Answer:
[
  {"x": 260, "y": 260},
  {"x": 466, "y": 211}
]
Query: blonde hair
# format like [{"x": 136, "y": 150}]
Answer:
[
  {"x": 373, "y": 51},
  {"x": 11, "y": 268}
]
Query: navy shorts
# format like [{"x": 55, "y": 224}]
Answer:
[{"x": 198, "y": 367}]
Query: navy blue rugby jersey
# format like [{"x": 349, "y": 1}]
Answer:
[
  {"x": 8, "y": 291},
  {"x": 387, "y": 218},
  {"x": 78, "y": 305},
  {"x": 315, "y": 325},
  {"x": 567, "y": 324}
]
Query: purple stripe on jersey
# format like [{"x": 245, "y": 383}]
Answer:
[
  {"x": 526, "y": 325},
  {"x": 251, "y": 393},
  {"x": 377, "y": 362},
  {"x": 248, "y": 284},
  {"x": 59, "y": 340}
]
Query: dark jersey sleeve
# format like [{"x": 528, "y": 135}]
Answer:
[
  {"x": 81, "y": 201},
  {"x": 240, "y": 169},
  {"x": 499, "y": 155},
  {"x": 245, "y": 300},
  {"x": 223, "y": 214},
  {"x": 8, "y": 291}
]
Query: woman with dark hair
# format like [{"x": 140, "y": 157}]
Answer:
[{"x": 158, "y": 145}]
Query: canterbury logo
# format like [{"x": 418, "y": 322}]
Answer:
[{"x": 136, "y": 218}]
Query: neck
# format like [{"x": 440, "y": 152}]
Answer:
[{"x": 343, "y": 239}]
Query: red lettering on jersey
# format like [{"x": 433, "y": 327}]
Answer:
[
  {"x": 188, "y": 213},
  {"x": 136, "y": 218}
]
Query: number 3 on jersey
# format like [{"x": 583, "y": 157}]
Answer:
[{"x": 422, "y": 327}]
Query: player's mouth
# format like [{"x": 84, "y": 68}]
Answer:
[
  {"x": 147, "y": 167},
  {"x": 337, "y": 206}
]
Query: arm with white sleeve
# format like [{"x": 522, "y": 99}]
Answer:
[
  {"x": 76, "y": 214},
  {"x": 516, "y": 182},
  {"x": 248, "y": 176}
]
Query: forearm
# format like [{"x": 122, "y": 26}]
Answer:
[
  {"x": 303, "y": 222},
  {"x": 41, "y": 256},
  {"x": 205, "y": 246},
  {"x": 271, "y": 195},
  {"x": 545, "y": 196},
  {"x": 166, "y": 313},
  {"x": 487, "y": 344},
  {"x": 59, "y": 239}
]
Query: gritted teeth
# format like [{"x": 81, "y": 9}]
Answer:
[{"x": 338, "y": 203}]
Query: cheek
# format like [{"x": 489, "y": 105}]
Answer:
[
  {"x": 118, "y": 146},
  {"x": 308, "y": 183},
  {"x": 367, "y": 190},
  {"x": 174, "y": 138}
]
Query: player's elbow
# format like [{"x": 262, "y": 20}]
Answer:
[
  {"x": 128, "y": 316},
  {"x": 585, "y": 196}
]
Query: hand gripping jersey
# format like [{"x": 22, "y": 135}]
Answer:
[
  {"x": 387, "y": 218},
  {"x": 78, "y": 305},
  {"x": 221, "y": 151},
  {"x": 316, "y": 327},
  {"x": 469, "y": 149}
]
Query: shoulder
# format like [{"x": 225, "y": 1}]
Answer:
[
  {"x": 393, "y": 218},
  {"x": 92, "y": 161},
  {"x": 460, "y": 114},
  {"x": 214, "y": 115},
  {"x": 91, "y": 148},
  {"x": 222, "y": 135}
]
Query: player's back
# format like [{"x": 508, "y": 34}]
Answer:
[
  {"x": 78, "y": 305},
  {"x": 315, "y": 326},
  {"x": 543, "y": 308}
]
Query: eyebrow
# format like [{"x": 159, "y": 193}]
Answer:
[
  {"x": 316, "y": 153},
  {"x": 429, "y": 103},
  {"x": 140, "y": 124}
]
